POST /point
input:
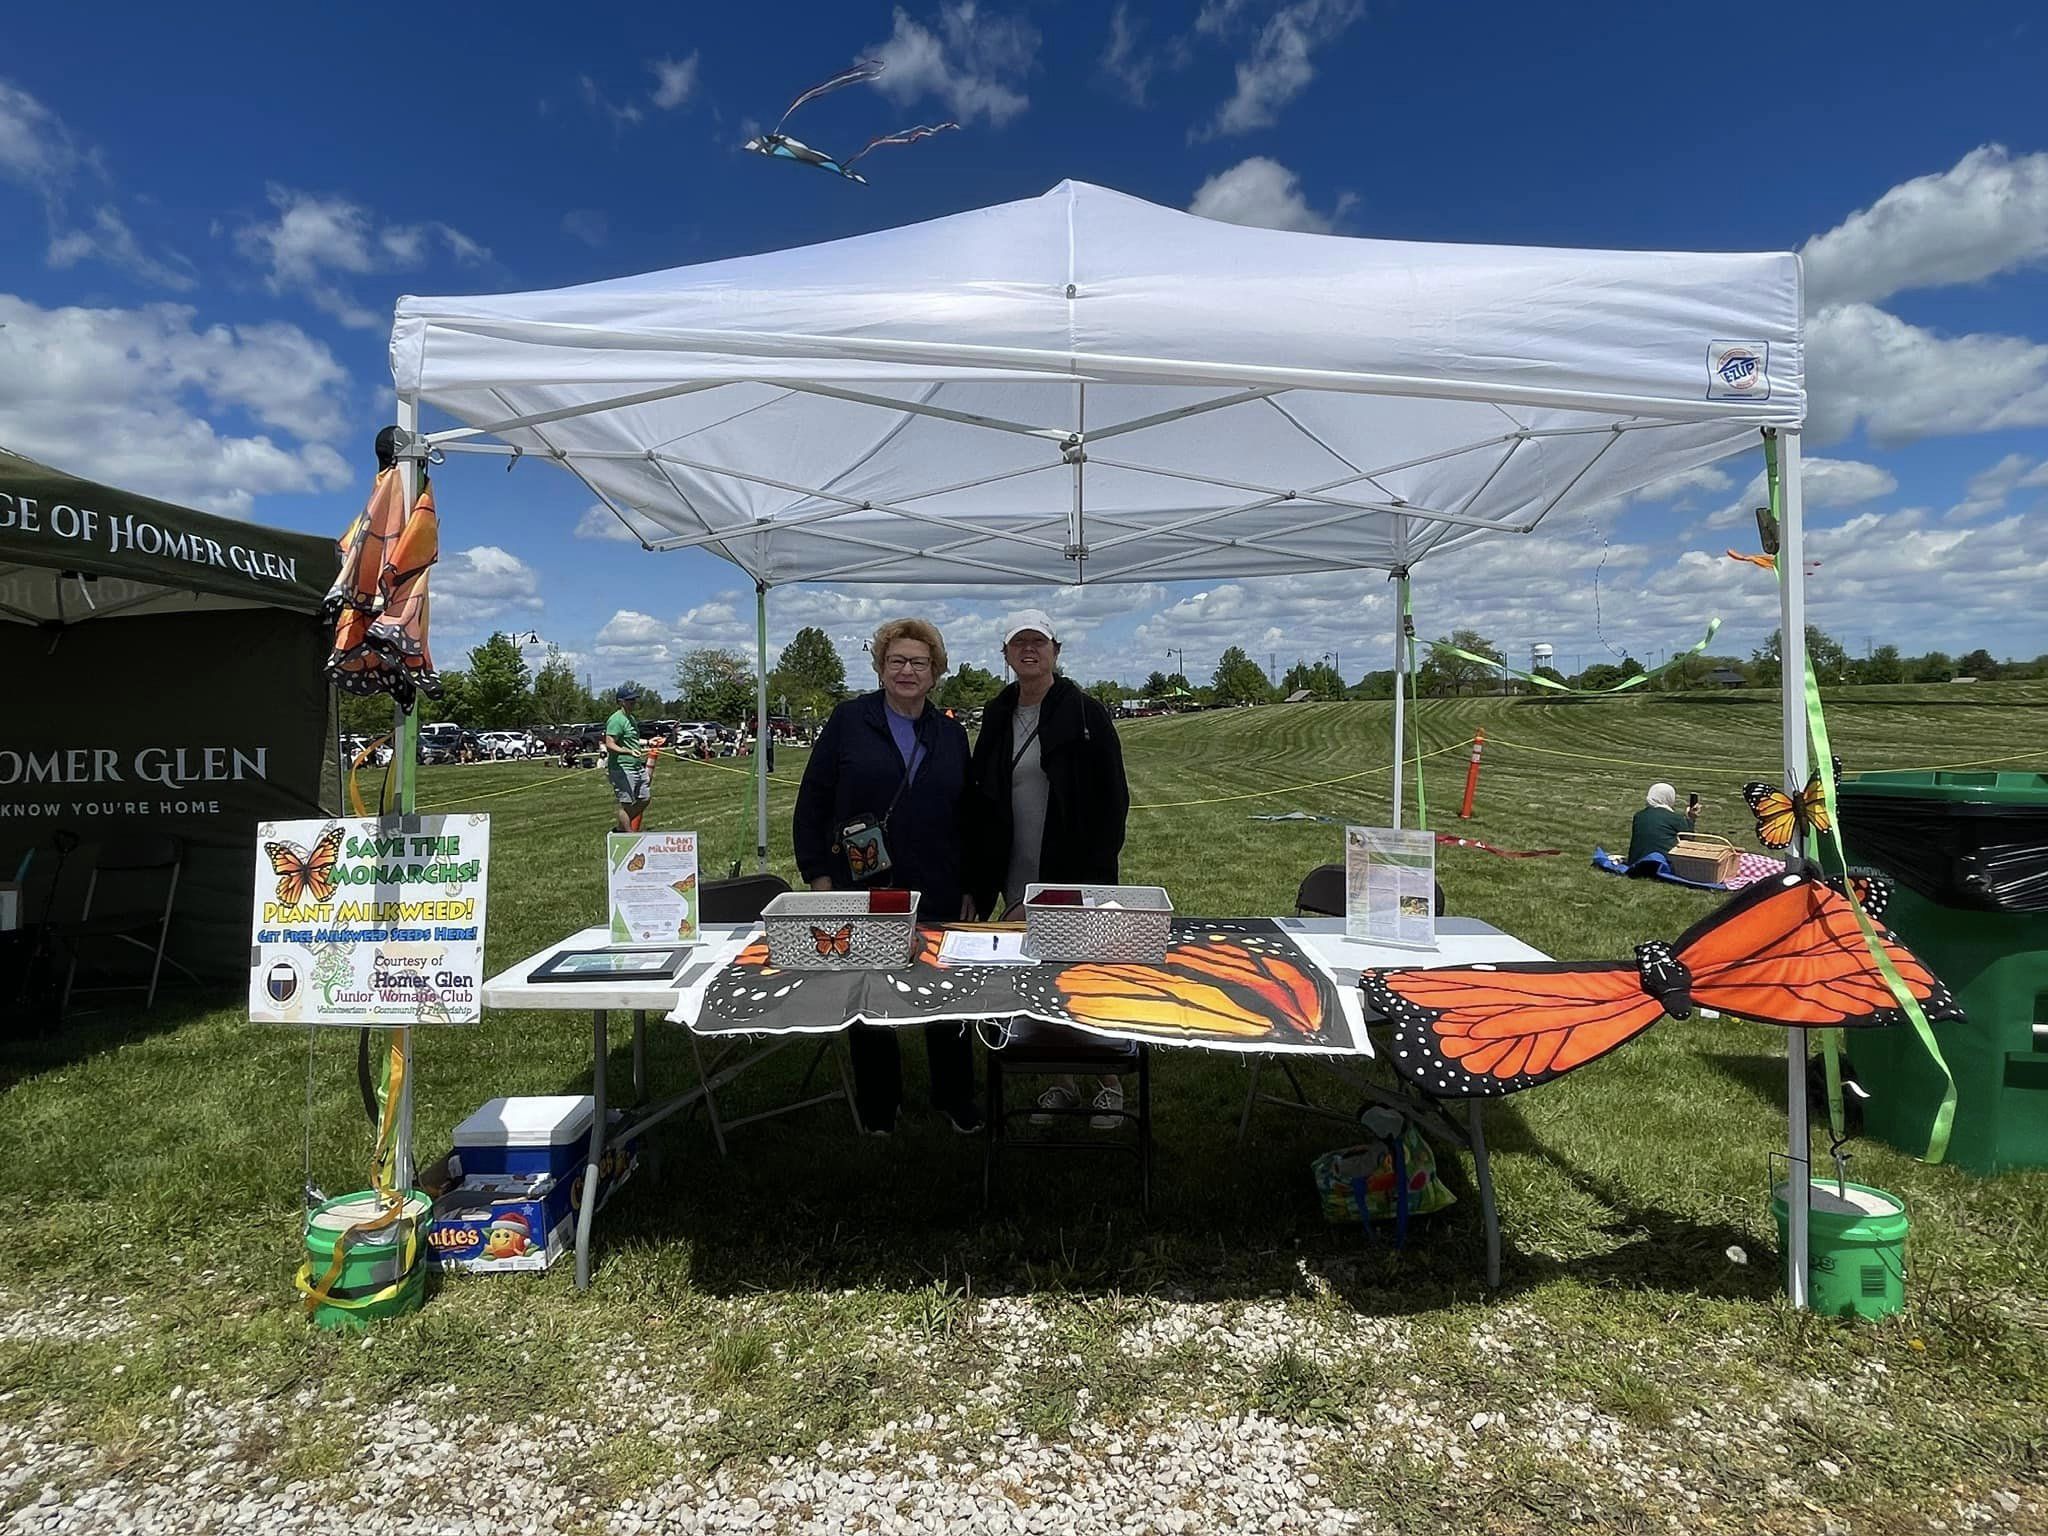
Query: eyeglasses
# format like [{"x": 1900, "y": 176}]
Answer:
[{"x": 907, "y": 664}]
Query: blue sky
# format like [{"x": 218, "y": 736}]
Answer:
[{"x": 211, "y": 218}]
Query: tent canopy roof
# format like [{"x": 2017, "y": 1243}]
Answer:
[
  {"x": 1087, "y": 387},
  {"x": 73, "y": 549}
]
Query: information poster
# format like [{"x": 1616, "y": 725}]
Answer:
[
  {"x": 1390, "y": 886},
  {"x": 652, "y": 887},
  {"x": 369, "y": 921}
]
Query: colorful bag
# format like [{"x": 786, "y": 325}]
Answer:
[{"x": 1391, "y": 1177}]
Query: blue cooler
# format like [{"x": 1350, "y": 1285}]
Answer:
[{"x": 523, "y": 1138}]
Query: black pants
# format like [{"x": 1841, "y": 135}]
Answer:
[{"x": 878, "y": 1069}]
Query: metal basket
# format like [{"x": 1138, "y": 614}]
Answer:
[
  {"x": 1135, "y": 931},
  {"x": 874, "y": 941}
]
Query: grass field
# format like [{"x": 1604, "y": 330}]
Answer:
[{"x": 818, "y": 1288}]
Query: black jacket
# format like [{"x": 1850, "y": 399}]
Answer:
[
  {"x": 855, "y": 770},
  {"x": 1087, "y": 798}
]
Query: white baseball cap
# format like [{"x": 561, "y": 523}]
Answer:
[{"x": 1025, "y": 620}]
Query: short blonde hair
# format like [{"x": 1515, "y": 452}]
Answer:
[{"x": 909, "y": 629}]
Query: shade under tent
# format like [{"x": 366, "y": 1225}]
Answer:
[{"x": 1085, "y": 388}]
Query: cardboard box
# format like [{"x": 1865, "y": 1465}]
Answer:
[{"x": 498, "y": 1223}]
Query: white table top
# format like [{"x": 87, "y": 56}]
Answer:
[{"x": 1460, "y": 941}]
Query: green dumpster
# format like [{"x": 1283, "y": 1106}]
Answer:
[{"x": 1967, "y": 854}]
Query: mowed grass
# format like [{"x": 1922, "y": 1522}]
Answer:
[{"x": 814, "y": 1279}]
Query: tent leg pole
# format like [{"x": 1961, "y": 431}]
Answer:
[
  {"x": 1400, "y": 704},
  {"x": 405, "y": 742},
  {"x": 1782, "y": 471},
  {"x": 761, "y": 736}
]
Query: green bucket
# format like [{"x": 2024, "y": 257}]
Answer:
[
  {"x": 1855, "y": 1248},
  {"x": 383, "y": 1273}
]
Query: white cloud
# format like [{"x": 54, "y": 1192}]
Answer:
[
  {"x": 1985, "y": 215},
  {"x": 968, "y": 63},
  {"x": 1708, "y": 477},
  {"x": 1901, "y": 381},
  {"x": 1282, "y": 60},
  {"x": 1122, "y": 56},
  {"x": 1263, "y": 192},
  {"x": 598, "y": 522},
  {"x": 676, "y": 80},
  {"x": 1988, "y": 490},
  {"x": 112, "y": 241},
  {"x": 590, "y": 225},
  {"x": 36, "y": 149},
  {"x": 622, "y": 114},
  {"x": 482, "y": 587},
  {"x": 1823, "y": 483},
  {"x": 143, "y": 398},
  {"x": 314, "y": 237}
]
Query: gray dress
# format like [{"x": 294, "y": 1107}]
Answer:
[{"x": 1028, "y": 793}]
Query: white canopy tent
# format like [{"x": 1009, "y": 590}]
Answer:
[{"x": 1085, "y": 387}]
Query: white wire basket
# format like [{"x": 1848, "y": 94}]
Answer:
[
  {"x": 835, "y": 931},
  {"x": 1115, "y": 924}
]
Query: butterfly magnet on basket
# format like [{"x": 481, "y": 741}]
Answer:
[
  {"x": 1781, "y": 817},
  {"x": 1788, "y": 951}
]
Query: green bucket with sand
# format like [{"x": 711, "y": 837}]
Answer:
[
  {"x": 383, "y": 1270},
  {"x": 1855, "y": 1248}
]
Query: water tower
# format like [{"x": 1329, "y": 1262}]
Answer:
[{"x": 1539, "y": 656}]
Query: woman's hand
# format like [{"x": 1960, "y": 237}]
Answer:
[
  {"x": 967, "y": 911},
  {"x": 822, "y": 883}
]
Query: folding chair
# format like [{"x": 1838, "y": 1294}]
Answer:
[
  {"x": 1047, "y": 1050},
  {"x": 122, "y": 908},
  {"x": 741, "y": 900}
]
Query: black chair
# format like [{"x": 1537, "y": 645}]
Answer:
[
  {"x": 129, "y": 898},
  {"x": 1321, "y": 893},
  {"x": 742, "y": 899},
  {"x": 1048, "y": 1050}
]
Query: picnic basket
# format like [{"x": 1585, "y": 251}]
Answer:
[
  {"x": 839, "y": 930},
  {"x": 1704, "y": 857}
]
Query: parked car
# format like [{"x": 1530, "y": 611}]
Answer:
[
  {"x": 352, "y": 748},
  {"x": 501, "y": 745},
  {"x": 688, "y": 738}
]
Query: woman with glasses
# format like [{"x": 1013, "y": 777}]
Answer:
[
  {"x": 1049, "y": 802},
  {"x": 889, "y": 759}
]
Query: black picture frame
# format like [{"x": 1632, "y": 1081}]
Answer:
[{"x": 613, "y": 965}]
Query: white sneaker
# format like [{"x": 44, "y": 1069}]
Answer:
[
  {"x": 1109, "y": 1106},
  {"x": 1058, "y": 1096}
]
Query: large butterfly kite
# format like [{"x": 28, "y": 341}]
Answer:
[
  {"x": 1787, "y": 951},
  {"x": 781, "y": 146}
]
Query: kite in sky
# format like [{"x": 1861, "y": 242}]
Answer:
[{"x": 782, "y": 147}]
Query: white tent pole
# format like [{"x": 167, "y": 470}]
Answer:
[
  {"x": 1400, "y": 668},
  {"x": 761, "y": 726},
  {"x": 1792, "y": 697},
  {"x": 404, "y": 742}
]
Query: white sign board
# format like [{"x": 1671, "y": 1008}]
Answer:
[
  {"x": 1390, "y": 886},
  {"x": 369, "y": 921},
  {"x": 651, "y": 881}
]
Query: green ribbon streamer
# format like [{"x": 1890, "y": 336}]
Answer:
[
  {"x": 1554, "y": 686},
  {"x": 1414, "y": 709}
]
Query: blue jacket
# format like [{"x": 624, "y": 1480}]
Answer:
[{"x": 855, "y": 770}]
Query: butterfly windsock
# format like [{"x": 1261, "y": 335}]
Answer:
[{"x": 1787, "y": 951}]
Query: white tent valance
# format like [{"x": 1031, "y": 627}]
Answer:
[{"x": 1086, "y": 387}]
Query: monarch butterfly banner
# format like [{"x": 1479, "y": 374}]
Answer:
[
  {"x": 369, "y": 920},
  {"x": 1224, "y": 984}
]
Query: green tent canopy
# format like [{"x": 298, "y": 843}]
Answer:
[{"x": 164, "y": 675}]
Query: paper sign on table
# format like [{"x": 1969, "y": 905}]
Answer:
[
  {"x": 652, "y": 886},
  {"x": 369, "y": 920},
  {"x": 1390, "y": 886},
  {"x": 967, "y": 946}
]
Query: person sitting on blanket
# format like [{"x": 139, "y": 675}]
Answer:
[{"x": 1657, "y": 825}]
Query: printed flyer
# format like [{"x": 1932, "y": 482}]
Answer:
[
  {"x": 369, "y": 920},
  {"x": 1390, "y": 886},
  {"x": 653, "y": 887}
]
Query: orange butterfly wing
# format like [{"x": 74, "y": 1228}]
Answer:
[
  {"x": 1218, "y": 985},
  {"x": 1472, "y": 1031},
  {"x": 831, "y": 943},
  {"x": 320, "y": 867},
  {"x": 1789, "y": 951},
  {"x": 288, "y": 863}
]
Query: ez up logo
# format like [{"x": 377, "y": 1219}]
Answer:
[{"x": 1739, "y": 370}]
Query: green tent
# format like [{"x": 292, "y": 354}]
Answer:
[{"x": 163, "y": 671}]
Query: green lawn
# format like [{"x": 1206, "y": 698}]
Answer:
[{"x": 816, "y": 1285}]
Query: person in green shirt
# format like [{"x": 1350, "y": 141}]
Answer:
[
  {"x": 1657, "y": 825},
  {"x": 626, "y": 762}
]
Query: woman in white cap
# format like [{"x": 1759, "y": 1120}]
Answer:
[
  {"x": 1048, "y": 776},
  {"x": 1657, "y": 825}
]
